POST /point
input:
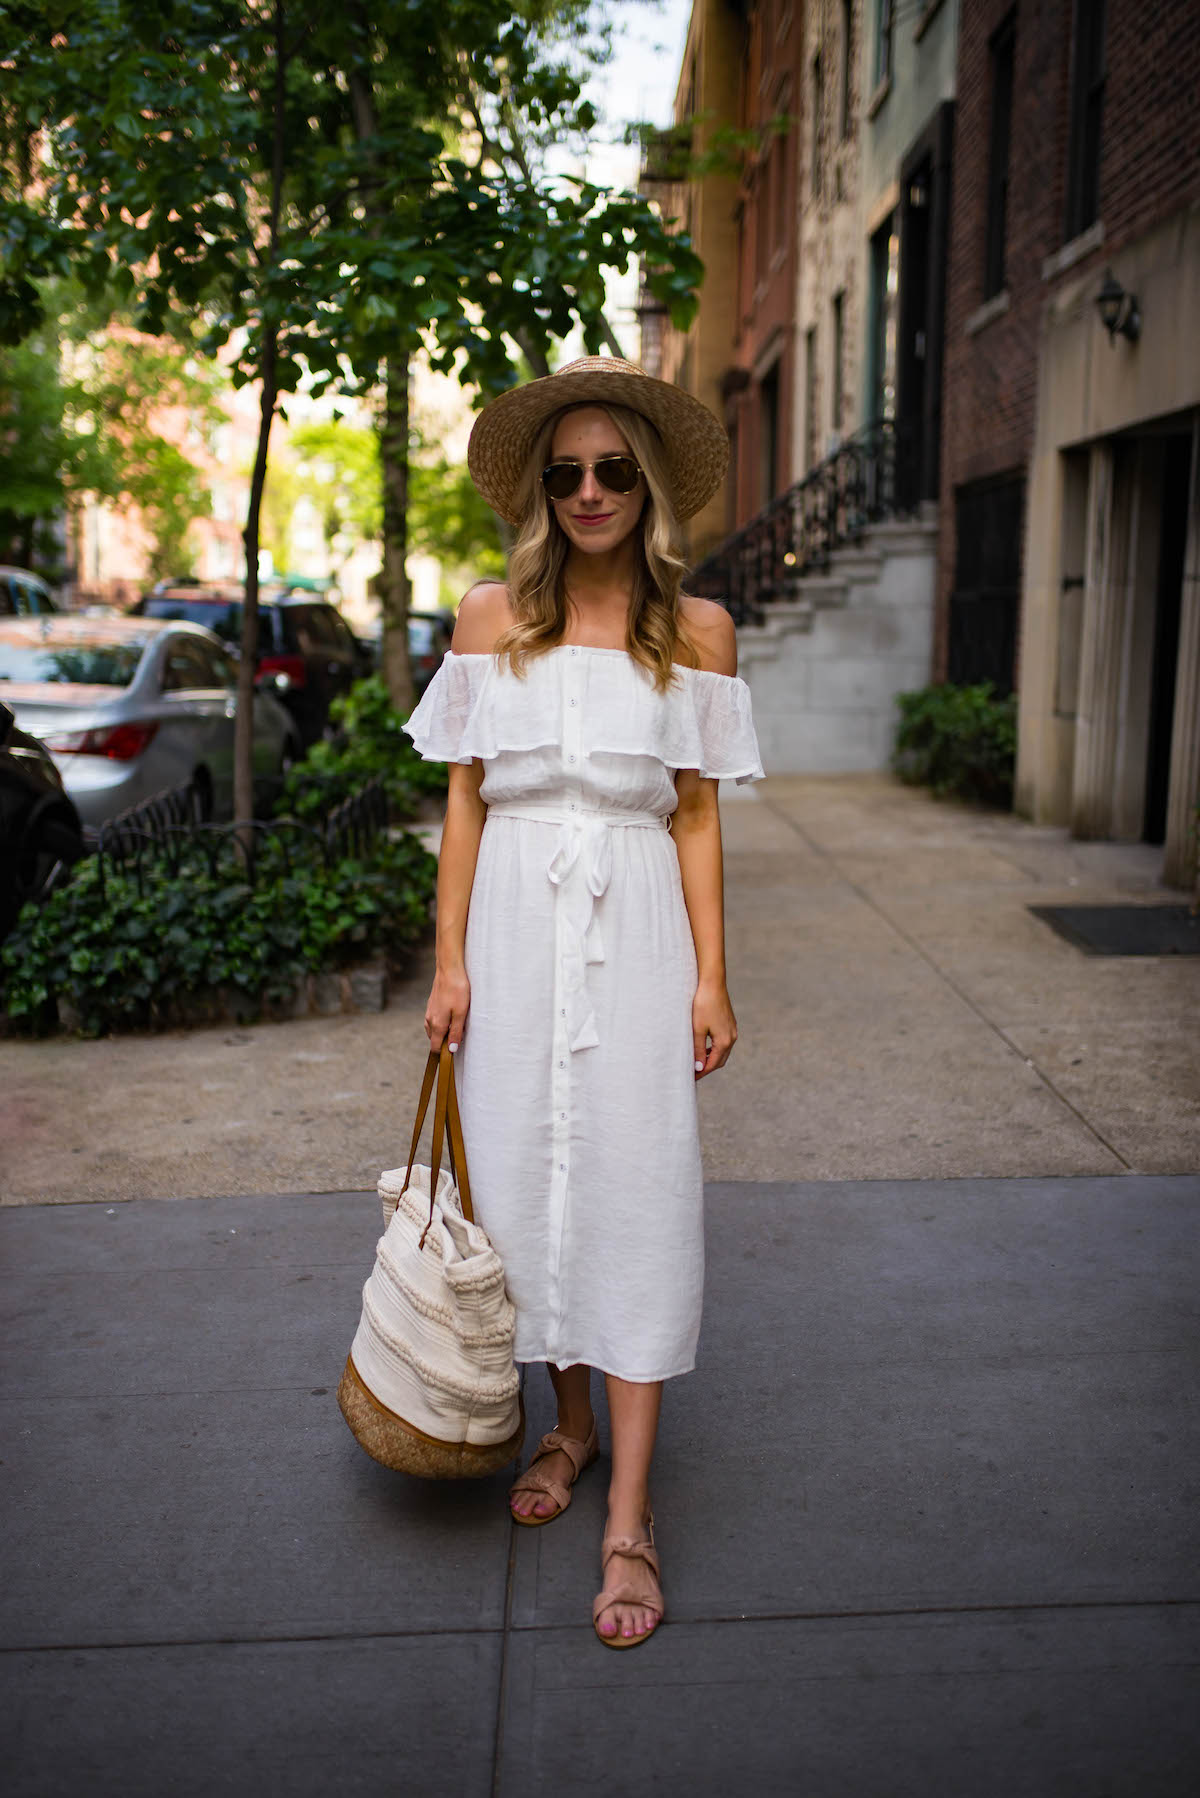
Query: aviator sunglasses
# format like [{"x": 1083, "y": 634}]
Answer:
[{"x": 620, "y": 474}]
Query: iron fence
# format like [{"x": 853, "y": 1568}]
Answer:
[
  {"x": 797, "y": 533},
  {"x": 168, "y": 832}
]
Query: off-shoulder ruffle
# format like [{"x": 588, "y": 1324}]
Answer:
[{"x": 474, "y": 707}]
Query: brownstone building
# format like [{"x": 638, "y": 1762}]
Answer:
[
  {"x": 741, "y": 68},
  {"x": 1069, "y": 563}
]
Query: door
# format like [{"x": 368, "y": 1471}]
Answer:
[{"x": 1165, "y": 664}]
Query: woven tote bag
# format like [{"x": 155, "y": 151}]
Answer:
[{"x": 430, "y": 1385}]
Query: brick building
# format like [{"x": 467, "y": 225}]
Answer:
[{"x": 1069, "y": 562}]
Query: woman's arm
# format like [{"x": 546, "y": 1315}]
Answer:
[
  {"x": 482, "y": 615},
  {"x": 696, "y": 828},
  {"x": 450, "y": 998}
]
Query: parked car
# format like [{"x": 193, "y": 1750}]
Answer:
[
  {"x": 130, "y": 706},
  {"x": 24, "y": 595},
  {"x": 429, "y": 635},
  {"x": 307, "y": 652},
  {"x": 40, "y": 831}
]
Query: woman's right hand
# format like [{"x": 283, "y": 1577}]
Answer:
[{"x": 446, "y": 1012}]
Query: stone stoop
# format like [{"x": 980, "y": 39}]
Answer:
[{"x": 824, "y": 667}]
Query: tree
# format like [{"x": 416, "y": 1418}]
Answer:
[
  {"x": 317, "y": 182},
  {"x": 79, "y": 409}
]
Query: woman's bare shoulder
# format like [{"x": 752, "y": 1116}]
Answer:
[
  {"x": 484, "y": 614},
  {"x": 711, "y": 630}
]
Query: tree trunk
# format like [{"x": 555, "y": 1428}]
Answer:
[
  {"x": 243, "y": 732},
  {"x": 394, "y": 591}
]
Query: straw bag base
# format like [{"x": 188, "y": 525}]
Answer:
[{"x": 406, "y": 1449}]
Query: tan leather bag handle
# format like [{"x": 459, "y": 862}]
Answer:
[{"x": 440, "y": 1066}]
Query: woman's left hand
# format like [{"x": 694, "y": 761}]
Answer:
[{"x": 714, "y": 1027}]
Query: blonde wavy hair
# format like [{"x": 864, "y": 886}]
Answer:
[{"x": 537, "y": 563}]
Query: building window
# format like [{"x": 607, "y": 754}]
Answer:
[
  {"x": 884, "y": 22},
  {"x": 782, "y": 164},
  {"x": 885, "y": 289},
  {"x": 810, "y": 399},
  {"x": 985, "y": 603},
  {"x": 839, "y": 358},
  {"x": 768, "y": 414},
  {"x": 847, "y": 119},
  {"x": 1001, "y": 55},
  {"x": 1087, "y": 101},
  {"x": 815, "y": 164}
]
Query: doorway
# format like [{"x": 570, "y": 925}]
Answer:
[
  {"x": 924, "y": 236},
  {"x": 1165, "y": 664}
]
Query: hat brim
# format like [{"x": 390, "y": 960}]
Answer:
[{"x": 695, "y": 443}]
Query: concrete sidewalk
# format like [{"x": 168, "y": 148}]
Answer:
[
  {"x": 927, "y": 1512},
  {"x": 902, "y": 1016}
]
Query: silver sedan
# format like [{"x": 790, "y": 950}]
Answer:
[{"x": 130, "y": 706}]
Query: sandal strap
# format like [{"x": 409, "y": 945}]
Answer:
[
  {"x": 578, "y": 1453},
  {"x": 536, "y": 1479},
  {"x": 625, "y": 1594},
  {"x": 632, "y": 1550}
]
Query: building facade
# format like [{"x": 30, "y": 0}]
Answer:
[
  {"x": 1069, "y": 563},
  {"x": 829, "y": 292}
]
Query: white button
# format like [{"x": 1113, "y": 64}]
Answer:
[
  {"x": 572, "y": 805},
  {"x": 574, "y": 652},
  {"x": 562, "y": 1064},
  {"x": 563, "y": 1012},
  {"x": 574, "y": 702},
  {"x": 570, "y": 758},
  {"x": 562, "y": 1114},
  {"x": 562, "y": 1167}
]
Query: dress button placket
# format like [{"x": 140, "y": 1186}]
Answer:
[{"x": 572, "y": 741}]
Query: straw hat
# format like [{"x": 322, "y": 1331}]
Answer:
[{"x": 695, "y": 444}]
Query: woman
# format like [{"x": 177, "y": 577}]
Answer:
[{"x": 585, "y": 707}]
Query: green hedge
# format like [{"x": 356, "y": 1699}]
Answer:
[
  {"x": 121, "y": 958},
  {"x": 369, "y": 745},
  {"x": 961, "y": 741}
]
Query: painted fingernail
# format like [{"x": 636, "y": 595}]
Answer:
[
  {"x": 699, "y": 1065},
  {"x": 454, "y": 1048}
]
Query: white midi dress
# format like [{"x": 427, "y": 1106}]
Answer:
[{"x": 576, "y": 1072}]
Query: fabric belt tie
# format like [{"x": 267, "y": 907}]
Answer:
[{"x": 583, "y": 850}]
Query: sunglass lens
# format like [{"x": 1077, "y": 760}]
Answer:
[
  {"x": 618, "y": 473},
  {"x": 561, "y": 479}
]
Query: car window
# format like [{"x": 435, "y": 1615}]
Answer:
[
  {"x": 224, "y": 617},
  {"x": 188, "y": 668},
  {"x": 312, "y": 628},
  {"x": 220, "y": 668},
  {"x": 32, "y": 598},
  {"x": 343, "y": 636},
  {"x": 8, "y": 600},
  {"x": 73, "y": 663}
]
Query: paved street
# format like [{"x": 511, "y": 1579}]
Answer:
[{"x": 927, "y": 1507}]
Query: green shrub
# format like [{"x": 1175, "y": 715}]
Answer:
[
  {"x": 123, "y": 955},
  {"x": 961, "y": 741},
  {"x": 369, "y": 744}
]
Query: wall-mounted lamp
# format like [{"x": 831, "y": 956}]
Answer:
[{"x": 1119, "y": 313}]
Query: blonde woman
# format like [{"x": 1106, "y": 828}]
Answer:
[{"x": 587, "y": 710}]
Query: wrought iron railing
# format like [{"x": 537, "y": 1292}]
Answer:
[
  {"x": 168, "y": 831},
  {"x": 862, "y": 482}
]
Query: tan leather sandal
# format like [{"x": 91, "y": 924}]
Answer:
[
  {"x": 626, "y": 1592},
  {"x": 536, "y": 1479}
]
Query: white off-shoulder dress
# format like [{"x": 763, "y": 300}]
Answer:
[{"x": 576, "y": 1072}]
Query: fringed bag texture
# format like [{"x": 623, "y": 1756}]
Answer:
[{"x": 430, "y": 1385}]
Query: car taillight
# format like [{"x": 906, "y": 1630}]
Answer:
[
  {"x": 295, "y": 667},
  {"x": 118, "y": 742}
]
